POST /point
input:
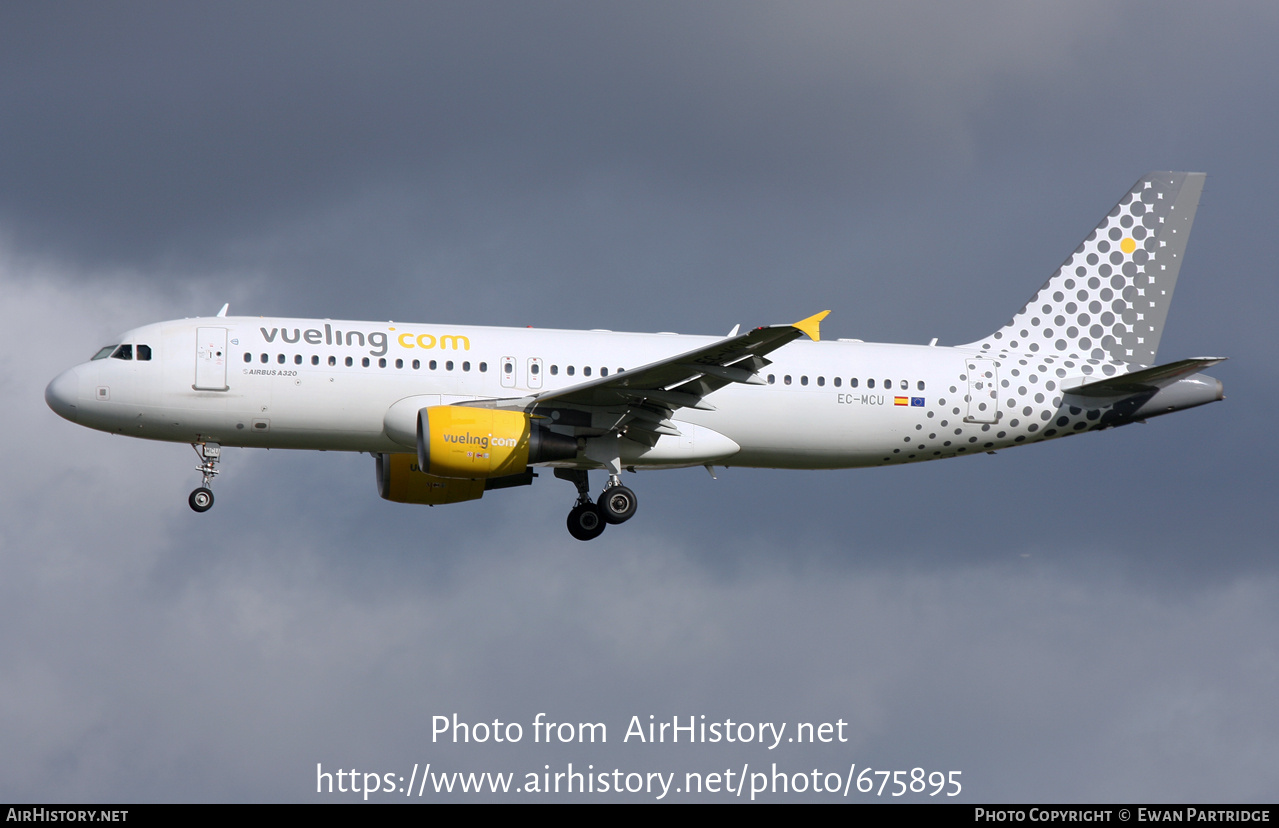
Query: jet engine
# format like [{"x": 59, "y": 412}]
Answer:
[
  {"x": 455, "y": 441},
  {"x": 399, "y": 480}
]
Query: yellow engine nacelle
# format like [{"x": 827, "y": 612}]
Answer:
[
  {"x": 456, "y": 441},
  {"x": 399, "y": 480}
]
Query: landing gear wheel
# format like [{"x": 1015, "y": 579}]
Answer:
[
  {"x": 585, "y": 522},
  {"x": 201, "y": 499},
  {"x": 617, "y": 504}
]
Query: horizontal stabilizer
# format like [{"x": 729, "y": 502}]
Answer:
[
  {"x": 1145, "y": 381},
  {"x": 1148, "y": 393}
]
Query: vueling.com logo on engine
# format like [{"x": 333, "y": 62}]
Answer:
[{"x": 483, "y": 441}]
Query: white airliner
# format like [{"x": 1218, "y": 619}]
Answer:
[{"x": 450, "y": 412}]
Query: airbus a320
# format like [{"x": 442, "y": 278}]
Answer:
[{"x": 450, "y": 412}]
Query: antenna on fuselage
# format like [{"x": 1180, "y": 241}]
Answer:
[{"x": 225, "y": 308}]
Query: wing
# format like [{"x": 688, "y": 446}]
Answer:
[{"x": 639, "y": 402}]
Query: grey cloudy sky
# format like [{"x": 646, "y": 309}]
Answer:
[{"x": 1087, "y": 619}]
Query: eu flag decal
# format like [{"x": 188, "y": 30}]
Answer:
[{"x": 917, "y": 402}]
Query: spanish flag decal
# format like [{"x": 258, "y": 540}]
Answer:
[{"x": 901, "y": 400}]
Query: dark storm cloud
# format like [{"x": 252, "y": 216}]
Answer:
[
  {"x": 1085, "y": 619},
  {"x": 535, "y": 158},
  {"x": 207, "y": 124},
  {"x": 142, "y": 130}
]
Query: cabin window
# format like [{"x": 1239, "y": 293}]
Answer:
[
  {"x": 484, "y": 367},
  {"x": 921, "y": 385},
  {"x": 264, "y": 359},
  {"x": 466, "y": 366},
  {"x": 905, "y": 385},
  {"x": 772, "y": 378},
  {"x": 399, "y": 363},
  {"x": 786, "y": 379},
  {"x": 280, "y": 359},
  {"x": 247, "y": 357},
  {"x": 821, "y": 381},
  {"x": 508, "y": 367},
  {"x": 586, "y": 371},
  {"x": 349, "y": 362},
  {"x": 315, "y": 359},
  {"x": 431, "y": 365},
  {"x": 297, "y": 359},
  {"x": 535, "y": 369},
  {"x": 381, "y": 363},
  {"x": 570, "y": 370},
  {"x": 837, "y": 381},
  {"x": 417, "y": 364},
  {"x": 870, "y": 383},
  {"x": 603, "y": 372},
  {"x": 803, "y": 380},
  {"x": 555, "y": 370},
  {"x": 448, "y": 366},
  {"x": 333, "y": 360}
]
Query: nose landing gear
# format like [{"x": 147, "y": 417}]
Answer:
[
  {"x": 588, "y": 519},
  {"x": 201, "y": 500}
]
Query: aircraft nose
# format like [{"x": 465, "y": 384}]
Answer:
[{"x": 63, "y": 394}]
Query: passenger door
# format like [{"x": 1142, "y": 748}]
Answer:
[{"x": 210, "y": 359}]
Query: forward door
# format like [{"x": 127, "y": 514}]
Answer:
[{"x": 210, "y": 359}]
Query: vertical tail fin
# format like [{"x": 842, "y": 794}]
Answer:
[{"x": 1109, "y": 299}]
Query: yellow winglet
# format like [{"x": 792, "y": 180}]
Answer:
[{"x": 812, "y": 325}]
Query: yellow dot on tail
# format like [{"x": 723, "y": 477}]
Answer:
[{"x": 1128, "y": 245}]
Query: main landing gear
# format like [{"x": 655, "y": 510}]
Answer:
[
  {"x": 201, "y": 500},
  {"x": 588, "y": 519}
]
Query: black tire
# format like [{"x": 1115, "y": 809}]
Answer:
[
  {"x": 586, "y": 522},
  {"x": 617, "y": 504},
  {"x": 201, "y": 499}
]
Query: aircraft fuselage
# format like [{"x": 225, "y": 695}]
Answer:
[{"x": 328, "y": 385}]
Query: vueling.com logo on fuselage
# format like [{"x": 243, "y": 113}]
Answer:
[
  {"x": 378, "y": 341},
  {"x": 481, "y": 441}
]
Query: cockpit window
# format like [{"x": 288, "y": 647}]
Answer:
[
  {"x": 123, "y": 352},
  {"x": 104, "y": 353},
  {"x": 144, "y": 353}
]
